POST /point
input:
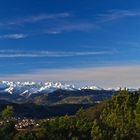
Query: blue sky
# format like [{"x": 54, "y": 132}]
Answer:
[{"x": 63, "y": 39}]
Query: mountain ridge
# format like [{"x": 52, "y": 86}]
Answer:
[
  {"x": 53, "y": 93},
  {"x": 29, "y": 88}
]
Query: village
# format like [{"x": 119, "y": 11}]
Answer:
[{"x": 21, "y": 123}]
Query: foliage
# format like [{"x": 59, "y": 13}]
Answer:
[
  {"x": 114, "y": 119},
  {"x": 7, "y": 131},
  {"x": 8, "y": 112},
  {"x": 24, "y": 136},
  {"x": 120, "y": 118}
]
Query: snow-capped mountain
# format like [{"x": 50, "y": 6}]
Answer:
[
  {"x": 92, "y": 88},
  {"x": 29, "y": 88}
]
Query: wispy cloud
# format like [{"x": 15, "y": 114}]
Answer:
[
  {"x": 37, "y": 18},
  {"x": 18, "y": 53},
  {"x": 69, "y": 27},
  {"x": 111, "y": 76},
  {"x": 63, "y": 22},
  {"x": 90, "y": 26},
  {"x": 13, "y": 36},
  {"x": 118, "y": 14},
  {"x": 56, "y": 24},
  {"x": 129, "y": 43}
]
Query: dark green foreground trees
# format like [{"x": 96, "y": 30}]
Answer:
[
  {"x": 7, "y": 125},
  {"x": 115, "y": 119},
  {"x": 120, "y": 120}
]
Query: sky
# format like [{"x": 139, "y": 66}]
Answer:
[{"x": 82, "y": 42}]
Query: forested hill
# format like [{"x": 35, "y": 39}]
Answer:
[{"x": 115, "y": 119}]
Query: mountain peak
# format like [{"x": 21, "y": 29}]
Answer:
[
  {"x": 92, "y": 88},
  {"x": 32, "y": 87}
]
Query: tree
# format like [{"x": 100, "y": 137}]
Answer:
[
  {"x": 8, "y": 112},
  {"x": 25, "y": 136},
  {"x": 137, "y": 119},
  {"x": 7, "y": 131},
  {"x": 96, "y": 132}
]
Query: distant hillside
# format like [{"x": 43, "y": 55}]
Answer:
[
  {"x": 72, "y": 97},
  {"x": 57, "y": 103},
  {"x": 41, "y": 111}
]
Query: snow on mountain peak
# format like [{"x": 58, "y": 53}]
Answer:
[
  {"x": 29, "y": 88},
  {"x": 32, "y": 87},
  {"x": 92, "y": 88}
]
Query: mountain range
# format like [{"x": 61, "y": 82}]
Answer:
[
  {"x": 41, "y": 99},
  {"x": 29, "y": 88},
  {"x": 52, "y": 93}
]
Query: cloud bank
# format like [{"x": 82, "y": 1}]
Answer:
[{"x": 111, "y": 76}]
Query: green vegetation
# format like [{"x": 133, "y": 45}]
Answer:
[
  {"x": 41, "y": 99},
  {"x": 77, "y": 100},
  {"x": 72, "y": 97},
  {"x": 7, "y": 112},
  {"x": 114, "y": 119}
]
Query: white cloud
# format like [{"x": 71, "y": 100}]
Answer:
[
  {"x": 129, "y": 43},
  {"x": 13, "y": 36},
  {"x": 37, "y": 18},
  {"x": 111, "y": 76},
  {"x": 69, "y": 27},
  {"x": 117, "y": 14},
  {"x": 19, "y": 53}
]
